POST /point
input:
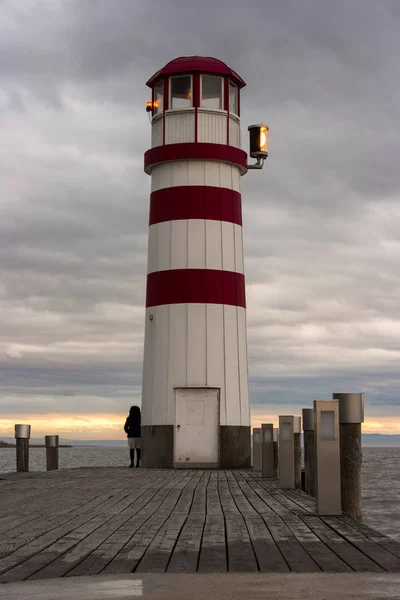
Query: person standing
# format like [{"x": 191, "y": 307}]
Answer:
[{"x": 133, "y": 430}]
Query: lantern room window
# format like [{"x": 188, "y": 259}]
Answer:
[
  {"x": 181, "y": 91},
  {"x": 233, "y": 98},
  {"x": 158, "y": 97},
  {"x": 211, "y": 91}
]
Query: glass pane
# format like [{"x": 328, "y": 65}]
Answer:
[
  {"x": 327, "y": 425},
  {"x": 211, "y": 91},
  {"x": 267, "y": 435},
  {"x": 181, "y": 91},
  {"x": 158, "y": 97},
  {"x": 286, "y": 432},
  {"x": 233, "y": 98}
]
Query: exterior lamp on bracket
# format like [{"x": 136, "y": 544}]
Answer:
[{"x": 258, "y": 143}]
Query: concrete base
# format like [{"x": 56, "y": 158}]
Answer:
[
  {"x": 158, "y": 448},
  {"x": 222, "y": 586},
  {"x": 234, "y": 447}
]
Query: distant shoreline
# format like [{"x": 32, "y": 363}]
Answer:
[{"x": 7, "y": 445}]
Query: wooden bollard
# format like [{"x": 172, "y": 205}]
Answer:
[
  {"x": 52, "y": 443},
  {"x": 22, "y": 436},
  {"x": 267, "y": 449},
  {"x": 309, "y": 451},
  {"x": 351, "y": 415},
  {"x": 276, "y": 452},
  {"x": 297, "y": 452},
  {"x": 286, "y": 452},
  {"x": 257, "y": 449}
]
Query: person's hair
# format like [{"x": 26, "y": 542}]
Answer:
[{"x": 134, "y": 411}]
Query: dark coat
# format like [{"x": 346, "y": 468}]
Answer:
[{"x": 133, "y": 427}]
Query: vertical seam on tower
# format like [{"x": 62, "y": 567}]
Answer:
[
  {"x": 169, "y": 331},
  {"x": 223, "y": 309},
  {"x": 187, "y": 304},
  {"x": 237, "y": 313},
  {"x": 206, "y": 304}
]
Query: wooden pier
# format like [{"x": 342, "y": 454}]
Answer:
[{"x": 116, "y": 520}]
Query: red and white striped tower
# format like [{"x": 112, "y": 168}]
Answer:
[{"x": 195, "y": 401}]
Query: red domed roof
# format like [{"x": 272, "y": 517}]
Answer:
[{"x": 191, "y": 64}]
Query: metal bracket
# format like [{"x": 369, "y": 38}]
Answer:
[{"x": 258, "y": 165}]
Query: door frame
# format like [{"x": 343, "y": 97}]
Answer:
[{"x": 214, "y": 465}]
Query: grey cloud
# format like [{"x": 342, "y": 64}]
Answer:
[{"x": 321, "y": 221}]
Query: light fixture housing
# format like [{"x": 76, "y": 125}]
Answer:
[{"x": 258, "y": 142}]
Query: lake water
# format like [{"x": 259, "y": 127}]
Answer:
[{"x": 380, "y": 477}]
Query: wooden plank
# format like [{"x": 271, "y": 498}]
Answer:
[
  {"x": 340, "y": 546},
  {"x": 129, "y": 557},
  {"x": 269, "y": 558},
  {"x": 213, "y": 554},
  {"x": 325, "y": 558},
  {"x": 80, "y": 549},
  {"x": 239, "y": 497},
  {"x": 292, "y": 551},
  {"x": 241, "y": 557},
  {"x": 186, "y": 552},
  {"x": 82, "y": 525},
  {"x": 47, "y": 520},
  {"x": 382, "y": 557},
  {"x": 375, "y": 536},
  {"x": 283, "y": 499},
  {"x": 103, "y": 554}
]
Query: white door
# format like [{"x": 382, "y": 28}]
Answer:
[{"x": 196, "y": 438}]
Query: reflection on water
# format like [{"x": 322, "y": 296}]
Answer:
[{"x": 380, "y": 477}]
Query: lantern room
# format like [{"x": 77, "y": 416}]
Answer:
[{"x": 195, "y": 99}]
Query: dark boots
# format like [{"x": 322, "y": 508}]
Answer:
[{"x": 132, "y": 455}]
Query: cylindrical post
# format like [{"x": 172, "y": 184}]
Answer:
[
  {"x": 22, "y": 435},
  {"x": 52, "y": 442},
  {"x": 267, "y": 449},
  {"x": 297, "y": 452},
  {"x": 309, "y": 451},
  {"x": 351, "y": 415},
  {"x": 276, "y": 452},
  {"x": 286, "y": 452}
]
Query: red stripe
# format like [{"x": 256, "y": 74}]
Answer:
[
  {"x": 192, "y": 150},
  {"x": 195, "y": 202},
  {"x": 203, "y": 286}
]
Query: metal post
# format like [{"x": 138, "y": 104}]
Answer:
[
  {"x": 309, "y": 451},
  {"x": 257, "y": 449},
  {"x": 267, "y": 444},
  {"x": 22, "y": 435},
  {"x": 276, "y": 452},
  {"x": 52, "y": 443},
  {"x": 286, "y": 452},
  {"x": 327, "y": 445},
  {"x": 297, "y": 452},
  {"x": 351, "y": 415}
]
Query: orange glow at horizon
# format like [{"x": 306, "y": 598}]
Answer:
[{"x": 110, "y": 426}]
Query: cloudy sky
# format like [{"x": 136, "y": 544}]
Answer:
[{"x": 322, "y": 220}]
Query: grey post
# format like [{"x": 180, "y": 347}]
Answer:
[
  {"x": 297, "y": 452},
  {"x": 257, "y": 449},
  {"x": 267, "y": 444},
  {"x": 52, "y": 442},
  {"x": 22, "y": 435},
  {"x": 309, "y": 451},
  {"x": 351, "y": 415},
  {"x": 276, "y": 452},
  {"x": 327, "y": 446},
  {"x": 286, "y": 452}
]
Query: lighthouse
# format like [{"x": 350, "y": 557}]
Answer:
[{"x": 195, "y": 396}]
